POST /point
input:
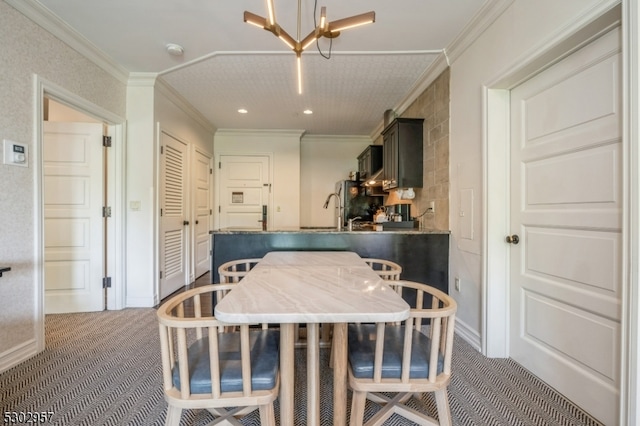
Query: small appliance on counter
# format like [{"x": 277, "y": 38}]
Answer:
[{"x": 399, "y": 216}]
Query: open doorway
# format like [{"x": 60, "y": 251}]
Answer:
[{"x": 56, "y": 107}]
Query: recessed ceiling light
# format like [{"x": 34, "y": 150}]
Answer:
[
  {"x": 242, "y": 111},
  {"x": 308, "y": 111},
  {"x": 175, "y": 49}
]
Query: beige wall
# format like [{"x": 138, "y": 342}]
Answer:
[
  {"x": 26, "y": 50},
  {"x": 323, "y": 162},
  {"x": 433, "y": 106}
]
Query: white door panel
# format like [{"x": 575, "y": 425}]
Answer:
[
  {"x": 73, "y": 176},
  {"x": 566, "y": 208},
  {"x": 244, "y": 190},
  {"x": 203, "y": 200}
]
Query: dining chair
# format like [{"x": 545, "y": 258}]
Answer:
[
  {"x": 404, "y": 359},
  {"x": 207, "y": 365},
  {"x": 234, "y": 270},
  {"x": 387, "y": 269}
]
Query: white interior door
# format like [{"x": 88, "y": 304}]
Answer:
[
  {"x": 202, "y": 172},
  {"x": 174, "y": 223},
  {"x": 243, "y": 190},
  {"x": 566, "y": 210},
  {"x": 73, "y": 173}
]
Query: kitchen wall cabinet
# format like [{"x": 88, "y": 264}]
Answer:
[
  {"x": 402, "y": 154},
  {"x": 370, "y": 161}
]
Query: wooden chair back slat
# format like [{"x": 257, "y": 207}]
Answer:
[
  {"x": 184, "y": 326},
  {"x": 386, "y": 269},
  {"x": 234, "y": 270},
  {"x": 377, "y": 366},
  {"x": 437, "y": 322}
]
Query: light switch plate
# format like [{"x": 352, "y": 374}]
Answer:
[{"x": 15, "y": 153}]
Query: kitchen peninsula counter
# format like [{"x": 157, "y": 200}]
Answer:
[{"x": 423, "y": 254}]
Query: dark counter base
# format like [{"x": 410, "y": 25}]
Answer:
[{"x": 424, "y": 257}]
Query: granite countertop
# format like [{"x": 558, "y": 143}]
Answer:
[{"x": 327, "y": 230}]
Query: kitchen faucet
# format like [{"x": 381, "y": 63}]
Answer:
[
  {"x": 339, "y": 202},
  {"x": 353, "y": 219}
]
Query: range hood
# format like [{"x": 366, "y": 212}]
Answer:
[{"x": 375, "y": 179}]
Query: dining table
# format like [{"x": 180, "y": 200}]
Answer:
[{"x": 312, "y": 288}]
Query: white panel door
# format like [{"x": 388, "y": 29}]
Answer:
[
  {"x": 201, "y": 171},
  {"x": 244, "y": 190},
  {"x": 174, "y": 216},
  {"x": 566, "y": 210},
  {"x": 73, "y": 174}
]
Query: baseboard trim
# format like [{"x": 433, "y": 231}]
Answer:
[
  {"x": 18, "y": 354},
  {"x": 469, "y": 335}
]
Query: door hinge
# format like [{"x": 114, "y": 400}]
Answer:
[
  {"x": 106, "y": 212},
  {"x": 106, "y": 141},
  {"x": 219, "y": 164},
  {"x": 210, "y": 212},
  {"x": 161, "y": 149},
  {"x": 210, "y": 171},
  {"x": 106, "y": 282},
  {"x": 219, "y": 209},
  {"x": 160, "y": 274},
  {"x": 160, "y": 212}
]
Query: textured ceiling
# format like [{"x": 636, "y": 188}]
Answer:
[{"x": 228, "y": 64}]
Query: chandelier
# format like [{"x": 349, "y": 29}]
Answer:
[{"x": 324, "y": 29}]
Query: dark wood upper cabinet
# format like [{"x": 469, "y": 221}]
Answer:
[
  {"x": 370, "y": 161},
  {"x": 402, "y": 154}
]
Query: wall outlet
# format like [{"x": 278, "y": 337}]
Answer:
[{"x": 457, "y": 283}]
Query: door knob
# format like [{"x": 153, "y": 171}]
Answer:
[
  {"x": 185, "y": 223},
  {"x": 513, "y": 239}
]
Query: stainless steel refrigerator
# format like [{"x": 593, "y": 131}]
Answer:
[{"x": 355, "y": 203}]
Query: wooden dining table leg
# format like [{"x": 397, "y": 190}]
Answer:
[
  {"x": 287, "y": 374},
  {"x": 313, "y": 375},
  {"x": 340, "y": 374}
]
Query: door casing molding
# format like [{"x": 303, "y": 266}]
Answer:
[
  {"x": 496, "y": 202},
  {"x": 115, "y": 238}
]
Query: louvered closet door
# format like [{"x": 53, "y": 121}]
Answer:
[{"x": 173, "y": 244}]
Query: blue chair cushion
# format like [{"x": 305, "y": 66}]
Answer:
[
  {"x": 264, "y": 362},
  {"x": 362, "y": 346}
]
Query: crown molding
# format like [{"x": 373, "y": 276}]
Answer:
[
  {"x": 482, "y": 20},
  {"x": 142, "y": 79},
  {"x": 179, "y": 100},
  {"x": 60, "y": 29},
  {"x": 261, "y": 133},
  {"x": 489, "y": 12},
  {"x": 336, "y": 138}
]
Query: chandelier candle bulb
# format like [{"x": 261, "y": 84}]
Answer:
[{"x": 324, "y": 29}]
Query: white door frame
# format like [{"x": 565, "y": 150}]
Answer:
[
  {"x": 496, "y": 154},
  {"x": 115, "y": 192}
]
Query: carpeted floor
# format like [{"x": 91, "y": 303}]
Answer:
[{"x": 104, "y": 369}]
